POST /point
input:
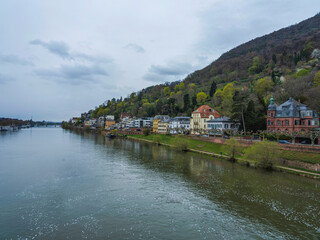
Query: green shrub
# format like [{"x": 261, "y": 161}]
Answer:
[
  {"x": 265, "y": 153},
  {"x": 181, "y": 143},
  {"x": 232, "y": 148},
  {"x": 146, "y": 131},
  {"x": 156, "y": 139},
  {"x": 302, "y": 73}
]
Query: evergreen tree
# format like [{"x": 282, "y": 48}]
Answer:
[
  {"x": 213, "y": 89},
  {"x": 274, "y": 58},
  {"x": 194, "y": 101},
  {"x": 186, "y": 102},
  {"x": 239, "y": 107}
]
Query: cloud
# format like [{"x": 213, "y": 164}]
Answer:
[
  {"x": 5, "y": 78},
  {"x": 62, "y": 50},
  {"x": 135, "y": 47},
  {"x": 73, "y": 74},
  {"x": 171, "y": 71},
  {"x": 58, "y": 48},
  {"x": 13, "y": 59}
]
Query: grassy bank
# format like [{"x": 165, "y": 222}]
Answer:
[{"x": 219, "y": 150}]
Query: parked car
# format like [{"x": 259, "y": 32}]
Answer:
[
  {"x": 305, "y": 142},
  {"x": 205, "y": 135},
  {"x": 226, "y": 136},
  {"x": 284, "y": 141}
]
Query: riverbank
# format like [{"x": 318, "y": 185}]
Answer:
[{"x": 301, "y": 163}]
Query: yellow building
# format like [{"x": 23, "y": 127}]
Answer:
[
  {"x": 156, "y": 121},
  {"x": 163, "y": 126},
  {"x": 199, "y": 118},
  {"x": 109, "y": 123}
]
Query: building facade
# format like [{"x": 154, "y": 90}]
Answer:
[
  {"x": 199, "y": 118},
  {"x": 156, "y": 121},
  {"x": 179, "y": 125},
  {"x": 291, "y": 116},
  {"x": 220, "y": 124},
  {"x": 109, "y": 124},
  {"x": 163, "y": 126}
]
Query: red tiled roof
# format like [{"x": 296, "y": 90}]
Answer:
[{"x": 205, "y": 111}]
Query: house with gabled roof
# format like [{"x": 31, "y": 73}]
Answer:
[
  {"x": 291, "y": 116},
  {"x": 199, "y": 118}
]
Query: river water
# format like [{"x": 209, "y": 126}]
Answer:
[{"x": 57, "y": 184}]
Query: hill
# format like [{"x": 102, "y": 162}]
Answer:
[{"x": 284, "y": 63}]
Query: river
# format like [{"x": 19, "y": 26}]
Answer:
[{"x": 57, "y": 184}]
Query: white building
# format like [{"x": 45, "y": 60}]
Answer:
[
  {"x": 110, "y": 117},
  {"x": 220, "y": 124},
  {"x": 179, "y": 125},
  {"x": 100, "y": 122}
]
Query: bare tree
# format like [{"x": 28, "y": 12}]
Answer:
[
  {"x": 293, "y": 135},
  {"x": 312, "y": 135}
]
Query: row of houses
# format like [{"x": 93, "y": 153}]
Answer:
[
  {"x": 290, "y": 116},
  {"x": 202, "y": 121}
]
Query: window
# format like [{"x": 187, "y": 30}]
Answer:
[
  {"x": 226, "y": 126},
  {"x": 296, "y": 122},
  {"x": 271, "y": 114},
  {"x": 269, "y": 122},
  {"x": 287, "y": 122},
  {"x": 309, "y": 122},
  {"x": 278, "y": 122}
]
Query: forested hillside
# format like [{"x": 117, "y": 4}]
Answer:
[{"x": 284, "y": 64}]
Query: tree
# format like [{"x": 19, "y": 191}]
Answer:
[
  {"x": 317, "y": 79},
  {"x": 313, "y": 135},
  {"x": 213, "y": 89},
  {"x": 262, "y": 87},
  {"x": 302, "y": 73},
  {"x": 239, "y": 107},
  {"x": 146, "y": 131},
  {"x": 181, "y": 143},
  {"x": 264, "y": 152},
  {"x": 194, "y": 100},
  {"x": 227, "y": 99},
  {"x": 166, "y": 91},
  {"x": 274, "y": 58},
  {"x": 156, "y": 139},
  {"x": 293, "y": 135},
  {"x": 232, "y": 148},
  {"x": 257, "y": 66},
  {"x": 181, "y": 86},
  {"x": 186, "y": 102},
  {"x": 192, "y": 85},
  {"x": 201, "y": 97}
]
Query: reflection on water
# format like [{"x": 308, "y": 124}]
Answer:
[{"x": 56, "y": 184}]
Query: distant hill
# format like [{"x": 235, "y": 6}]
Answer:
[
  {"x": 242, "y": 78},
  {"x": 284, "y": 44}
]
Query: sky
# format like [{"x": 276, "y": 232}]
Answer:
[{"x": 64, "y": 57}]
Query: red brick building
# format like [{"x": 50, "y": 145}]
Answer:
[{"x": 291, "y": 116}]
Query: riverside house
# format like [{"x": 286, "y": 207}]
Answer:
[
  {"x": 179, "y": 125},
  {"x": 199, "y": 118},
  {"x": 221, "y": 124},
  {"x": 156, "y": 121},
  {"x": 291, "y": 116},
  {"x": 163, "y": 126}
]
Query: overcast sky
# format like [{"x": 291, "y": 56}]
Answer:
[{"x": 62, "y": 57}]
